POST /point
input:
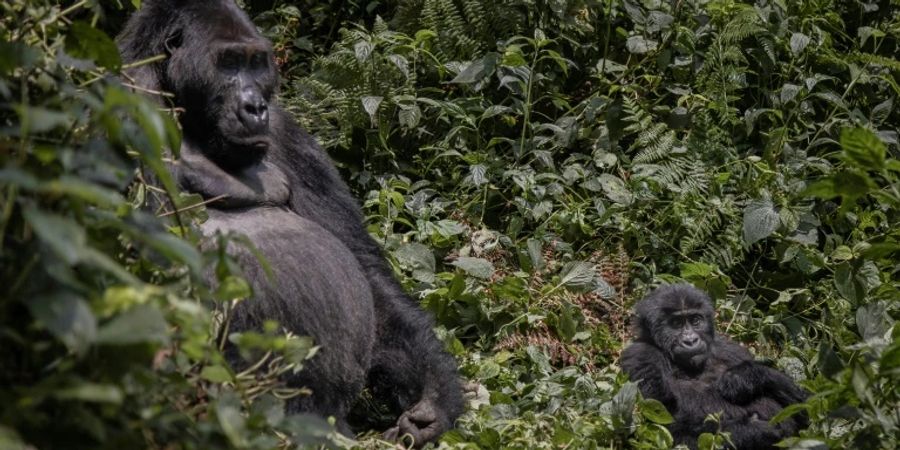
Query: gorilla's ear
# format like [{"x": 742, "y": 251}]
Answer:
[{"x": 173, "y": 41}]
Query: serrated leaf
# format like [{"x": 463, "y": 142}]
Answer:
[
  {"x": 873, "y": 321},
  {"x": 578, "y": 275},
  {"x": 416, "y": 256},
  {"x": 409, "y": 116},
  {"x": 605, "y": 290},
  {"x": 615, "y": 189},
  {"x": 799, "y": 41},
  {"x": 760, "y": 220},
  {"x": 535, "y": 254},
  {"x": 863, "y": 148},
  {"x": 477, "y": 174},
  {"x": 788, "y": 92},
  {"x": 362, "y": 50},
  {"x": 370, "y": 104},
  {"x": 477, "y": 70},
  {"x": 476, "y": 267}
]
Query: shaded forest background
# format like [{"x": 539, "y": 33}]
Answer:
[{"x": 532, "y": 168}]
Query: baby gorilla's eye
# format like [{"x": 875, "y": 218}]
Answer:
[{"x": 696, "y": 320}]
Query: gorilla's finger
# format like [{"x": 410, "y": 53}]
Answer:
[{"x": 391, "y": 434}]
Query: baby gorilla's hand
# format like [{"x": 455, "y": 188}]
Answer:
[{"x": 740, "y": 384}]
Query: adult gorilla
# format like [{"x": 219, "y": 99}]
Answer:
[
  {"x": 680, "y": 360},
  {"x": 331, "y": 279}
]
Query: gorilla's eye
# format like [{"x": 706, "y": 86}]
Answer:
[
  {"x": 676, "y": 322},
  {"x": 230, "y": 60},
  {"x": 696, "y": 320},
  {"x": 259, "y": 61}
]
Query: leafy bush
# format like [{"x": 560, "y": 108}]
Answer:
[
  {"x": 108, "y": 330},
  {"x": 531, "y": 168}
]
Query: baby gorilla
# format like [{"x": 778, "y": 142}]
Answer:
[{"x": 680, "y": 360}]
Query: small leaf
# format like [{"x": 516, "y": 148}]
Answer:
[
  {"x": 40, "y": 120},
  {"x": 232, "y": 287},
  {"x": 476, "y": 267},
  {"x": 799, "y": 41},
  {"x": 67, "y": 317},
  {"x": 535, "y": 254},
  {"x": 640, "y": 45},
  {"x": 654, "y": 411},
  {"x": 143, "y": 323},
  {"x": 91, "y": 392},
  {"x": 760, "y": 220},
  {"x": 216, "y": 374},
  {"x": 87, "y": 42},
  {"x": 16, "y": 54}
]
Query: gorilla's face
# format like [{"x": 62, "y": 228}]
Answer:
[
  {"x": 679, "y": 319},
  {"x": 685, "y": 335},
  {"x": 222, "y": 74}
]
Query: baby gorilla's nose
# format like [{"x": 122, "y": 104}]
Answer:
[{"x": 690, "y": 342}]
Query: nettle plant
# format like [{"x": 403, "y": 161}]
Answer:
[{"x": 531, "y": 183}]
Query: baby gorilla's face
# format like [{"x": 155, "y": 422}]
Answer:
[{"x": 686, "y": 337}]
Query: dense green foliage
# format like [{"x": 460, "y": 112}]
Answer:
[{"x": 531, "y": 168}]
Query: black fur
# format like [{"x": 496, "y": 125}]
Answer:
[
  {"x": 332, "y": 281},
  {"x": 715, "y": 376}
]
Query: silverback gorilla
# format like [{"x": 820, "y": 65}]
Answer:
[
  {"x": 273, "y": 183},
  {"x": 680, "y": 360}
]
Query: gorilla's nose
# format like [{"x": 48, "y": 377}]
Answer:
[
  {"x": 690, "y": 341},
  {"x": 254, "y": 113}
]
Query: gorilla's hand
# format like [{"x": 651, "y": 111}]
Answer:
[
  {"x": 741, "y": 384},
  {"x": 424, "y": 422}
]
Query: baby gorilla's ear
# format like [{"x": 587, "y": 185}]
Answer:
[{"x": 173, "y": 41}]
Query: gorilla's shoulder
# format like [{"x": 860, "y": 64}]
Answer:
[
  {"x": 728, "y": 351},
  {"x": 640, "y": 354}
]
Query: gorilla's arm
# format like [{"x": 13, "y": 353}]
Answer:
[
  {"x": 647, "y": 364},
  {"x": 410, "y": 366},
  {"x": 749, "y": 380}
]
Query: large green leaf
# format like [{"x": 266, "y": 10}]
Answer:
[
  {"x": 863, "y": 148},
  {"x": 760, "y": 220}
]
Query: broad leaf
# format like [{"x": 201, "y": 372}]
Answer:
[{"x": 760, "y": 220}]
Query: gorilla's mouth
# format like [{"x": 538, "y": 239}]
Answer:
[
  {"x": 256, "y": 143},
  {"x": 694, "y": 357}
]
